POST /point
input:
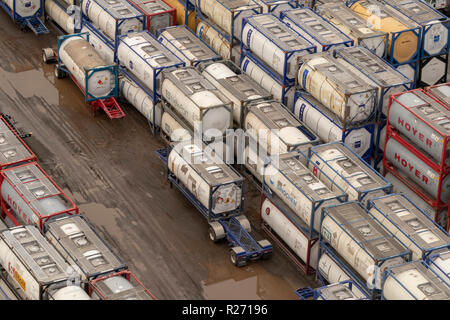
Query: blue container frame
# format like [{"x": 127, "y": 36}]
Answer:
[
  {"x": 89, "y": 72},
  {"x": 119, "y": 21},
  {"x": 361, "y": 194},
  {"x": 308, "y": 292},
  {"x": 287, "y": 54},
  {"x": 195, "y": 63},
  {"x": 21, "y": 21},
  {"x": 370, "y": 127},
  {"x": 427, "y": 252},
  {"x": 155, "y": 96},
  {"x": 325, "y": 47}
]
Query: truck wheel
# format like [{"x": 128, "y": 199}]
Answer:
[
  {"x": 216, "y": 231},
  {"x": 47, "y": 55},
  {"x": 60, "y": 74},
  {"x": 234, "y": 257}
]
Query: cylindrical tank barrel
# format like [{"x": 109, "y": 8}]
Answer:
[
  {"x": 173, "y": 129},
  {"x": 105, "y": 51},
  {"x": 60, "y": 16},
  {"x": 24, "y": 9},
  {"x": 214, "y": 39}
]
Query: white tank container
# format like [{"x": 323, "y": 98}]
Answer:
[
  {"x": 289, "y": 179},
  {"x": 338, "y": 88},
  {"x": 441, "y": 92},
  {"x": 424, "y": 121},
  {"x": 275, "y": 44},
  {"x": 102, "y": 48},
  {"x": 144, "y": 57},
  {"x": 13, "y": 150},
  {"x": 201, "y": 173},
  {"x": 417, "y": 171},
  {"x": 324, "y": 123},
  {"x": 214, "y": 40},
  {"x": 71, "y": 293},
  {"x": 330, "y": 270},
  {"x": 289, "y": 232},
  {"x": 60, "y": 16},
  {"x": 24, "y": 8},
  {"x": 354, "y": 27},
  {"x": 345, "y": 169},
  {"x": 315, "y": 29},
  {"x": 78, "y": 55},
  {"x": 32, "y": 263},
  {"x": 113, "y": 17},
  {"x": 409, "y": 224},
  {"x": 413, "y": 281},
  {"x": 361, "y": 241},
  {"x": 186, "y": 45},
  {"x": 173, "y": 130},
  {"x": 197, "y": 100},
  {"x": 31, "y": 195},
  {"x": 440, "y": 264},
  {"x": 239, "y": 87},
  {"x": 284, "y": 94}
]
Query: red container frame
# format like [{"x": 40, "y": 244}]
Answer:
[
  {"x": 14, "y": 163},
  {"x": 148, "y": 16},
  {"x": 440, "y": 167},
  {"x": 6, "y": 209},
  {"x": 126, "y": 274},
  {"x": 427, "y": 90},
  {"x": 304, "y": 266}
]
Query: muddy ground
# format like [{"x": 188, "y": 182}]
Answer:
[{"x": 110, "y": 170}]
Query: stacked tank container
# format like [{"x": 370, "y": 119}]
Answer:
[
  {"x": 26, "y": 14},
  {"x": 417, "y": 146},
  {"x": 440, "y": 92},
  {"x": 158, "y": 14},
  {"x": 66, "y": 14},
  {"x": 434, "y": 46}
]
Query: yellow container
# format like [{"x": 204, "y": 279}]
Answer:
[
  {"x": 405, "y": 46},
  {"x": 181, "y": 14}
]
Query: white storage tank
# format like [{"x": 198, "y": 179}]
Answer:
[
  {"x": 71, "y": 293},
  {"x": 104, "y": 50},
  {"x": 144, "y": 57},
  {"x": 32, "y": 196},
  {"x": 338, "y": 88},
  {"x": 238, "y": 87},
  {"x": 24, "y": 9},
  {"x": 78, "y": 56},
  {"x": 81, "y": 246},
  {"x": 113, "y": 17},
  {"x": 186, "y": 45},
  {"x": 33, "y": 264},
  {"x": 315, "y": 29},
  {"x": 409, "y": 224},
  {"x": 288, "y": 177},
  {"x": 216, "y": 41},
  {"x": 214, "y": 183},
  {"x": 330, "y": 270},
  {"x": 354, "y": 27},
  {"x": 60, "y": 16},
  {"x": 275, "y": 44},
  {"x": 413, "y": 281},
  {"x": 197, "y": 101},
  {"x": 275, "y": 128},
  {"x": 172, "y": 130},
  {"x": 440, "y": 264},
  {"x": 348, "y": 171},
  {"x": 328, "y": 127},
  {"x": 441, "y": 92},
  {"x": 361, "y": 241}
]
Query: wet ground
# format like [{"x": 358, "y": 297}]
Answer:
[{"x": 110, "y": 170}]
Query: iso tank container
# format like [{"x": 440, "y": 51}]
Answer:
[
  {"x": 315, "y": 29},
  {"x": 119, "y": 286},
  {"x": 172, "y": 130},
  {"x": 401, "y": 159},
  {"x": 142, "y": 57},
  {"x": 404, "y": 34},
  {"x": 328, "y": 127},
  {"x": 112, "y": 18},
  {"x": 362, "y": 242},
  {"x": 79, "y": 243},
  {"x": 275, "y": 128},
  {"x": 20, "y": 10},
  {"x": 158, "y": 14},
  {"x": 355, "y": 27},
  {"x": 58, "y": 12},
  {"x": 410, "y": 225},
  {"x": 237, "y": 86},
  {"x": 329, "y": 271},
  {"x": 13, "y": 150},
  {"x": 213, "y": 183},
  {"x": 345, "y": 290},
  {"x": 276, "y": 6},
  {"x": 291, "y": 233},
  {"x": 414, "y": 281},
  {"x": 227, "y": 15},
  {"x": 266, "y": 79},
  {"x": 338, "y": 88},
  {"x": 288, "y": 177},
  {"x": 32, "y": 263},
  {"x": 103, "y": 48},
  {"x": 29, "y": 196},
  {"x": 76, "y": 56},
  {"x": 440, "y": 264},
  {"x": 197, "y": 101},
  {"x": 276, "y": 45},
  {"x": 137, "y": 95},
  {"x": 215, "y": 40},
  {"x": 441, "y": 92},
  {"x": 339, "y": 164},
  {"x": 186, "y": 45},
  {"x": 425, "y": 122}
]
